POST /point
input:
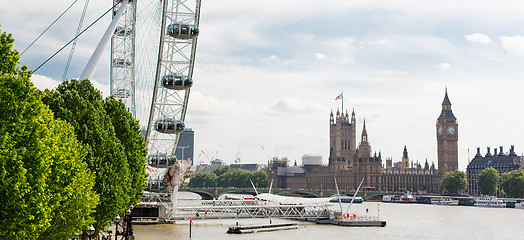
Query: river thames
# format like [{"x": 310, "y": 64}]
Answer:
[{"x": 404, "y": 221}]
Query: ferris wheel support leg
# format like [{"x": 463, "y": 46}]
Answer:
[
  {"x": 90, "y": 68},
  {"x": 174, "y": 198}
]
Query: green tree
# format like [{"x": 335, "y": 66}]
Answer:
[
  {"x": 80, "y": 104},
  {"x": 260, "y": 178},
  {"x": 488, "y": 181},
  {"x": 45, "y": 187},
  {"x": 228, "y": 177},
  {"x": 513, "y": 183},
  {"x": 203, "y": 179},
  {"x": 221, "y": 170},
  {"x": 127, "y": 130},
  {"x": 452, "y": 182}
]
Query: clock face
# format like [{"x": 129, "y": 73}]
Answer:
[
  {"x": 440, "y": 130},
  {"x": 451, "y": 130}
]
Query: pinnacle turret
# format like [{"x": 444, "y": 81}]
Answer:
[
  {"x": 364, "y": 133},
  {"x": 446, "y": 99}
]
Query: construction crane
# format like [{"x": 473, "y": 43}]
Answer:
[
  {"x": 202, "y": 152},
  {"x": 237, "y": 157}
]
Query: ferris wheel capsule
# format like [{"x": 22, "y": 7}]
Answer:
[
  {"x": 120, "y": 62},
  {"x": 182, "y": 30},
  {"x": 122, "y": 93},
  {"x": 176, "y": 81},
  {"x": 123, "y": 31},
  {"x": 161, "y": 160},
  {"x": 169, "y": 125}
]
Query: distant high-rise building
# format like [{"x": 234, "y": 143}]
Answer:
[{"x": 186, "y": 145}]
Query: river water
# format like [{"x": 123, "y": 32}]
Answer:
[{"x": 404, "y": 221}]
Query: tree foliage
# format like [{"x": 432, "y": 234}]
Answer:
[
  {"x": 226, "y": 177},
  {"x": 452, "y": 182},
  {"x": 80, "y": 104},
  {"x": 203, "y": 179},
  {"x": 45, "y": 188},
  {"x": 221, "y": 170},
  {"x": 488, "y": 181},
  {"x": 127, "y": 130},
  {"x": 513, "y": 183}
]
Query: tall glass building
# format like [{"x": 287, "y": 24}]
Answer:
[{"x": 186, "y": 145}]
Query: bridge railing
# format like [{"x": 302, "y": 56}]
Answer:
[{"x": 221, "y": 209}]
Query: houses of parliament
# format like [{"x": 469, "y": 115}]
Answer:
[{"x": 350, "y": 164}]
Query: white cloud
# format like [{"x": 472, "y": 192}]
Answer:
[
  {"x": 320, "y": 56},
  {"x": 513, "y": 44},
  {"x": 384, "y": 42},
  {"x": 445, "y": 65},
  {"x": 42, "y": 82},
  {"x": 293, "y": 105},
  {"x": 273, "y": 57},
  {"x": 478, "y": 38}
]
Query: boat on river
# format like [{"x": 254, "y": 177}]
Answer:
[
  {"x": 519, "y": 204},
  {"x": 262, "y": 228},
  {"x": 489, "y": 202},
  {"x": 444, "y": 201},
  {"x": 354, "y": 221},
  {"x": 346, "y": 199},
  {"x": 406, "y": 198}
]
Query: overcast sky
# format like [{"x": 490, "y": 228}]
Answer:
[{"x": 267, "y": 72}]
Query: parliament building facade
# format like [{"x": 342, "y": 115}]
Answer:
[{"x": 350, "y": 164}]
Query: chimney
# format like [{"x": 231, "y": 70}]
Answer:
[
  {"x": 512, "y": 151},
  {"x": 478, "y": 153},
  {"x": 489, "y": 153}
]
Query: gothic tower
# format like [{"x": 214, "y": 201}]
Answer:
[
  {"x": 342, "y": 140},
  {"x": 447, "y": 138},
  {"x": 405, "y": 158},
  {"x": 364, "y": 149}
]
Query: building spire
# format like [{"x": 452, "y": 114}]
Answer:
[
  {"x": 364, "y": 132},
  {"x": 446, "y": 99},
  {"x": 446, "y": 112},
  {"x": 353, "y": 120}
]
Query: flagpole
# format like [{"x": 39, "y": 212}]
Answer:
[{"x": 342, "y": 102}]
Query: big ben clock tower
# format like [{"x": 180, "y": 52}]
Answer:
[{"x": 447, "y": 138}]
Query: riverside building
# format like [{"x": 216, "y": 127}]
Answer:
[
  {"x": 350, "y": 163},
  {"x": 502, "y": 162}
]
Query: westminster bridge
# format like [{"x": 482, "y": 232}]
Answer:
[{"x": 214, "y": 193}]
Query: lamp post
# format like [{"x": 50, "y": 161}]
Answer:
[
  {"x": 117, "y": 221},
  {"x": 183, "y": 147},
  {"x": 90, "y": 231},
  {"x": 128, "y": 223}
]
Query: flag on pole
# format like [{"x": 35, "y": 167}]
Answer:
[{"x": 338, "y": 97}]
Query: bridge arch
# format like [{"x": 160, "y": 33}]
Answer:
[{"x": 204, "y": 194}]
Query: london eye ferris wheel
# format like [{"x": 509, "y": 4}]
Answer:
[{"x": 152, "y": 59}]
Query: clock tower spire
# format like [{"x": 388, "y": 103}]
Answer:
[{"x": 447, "y": 138}]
